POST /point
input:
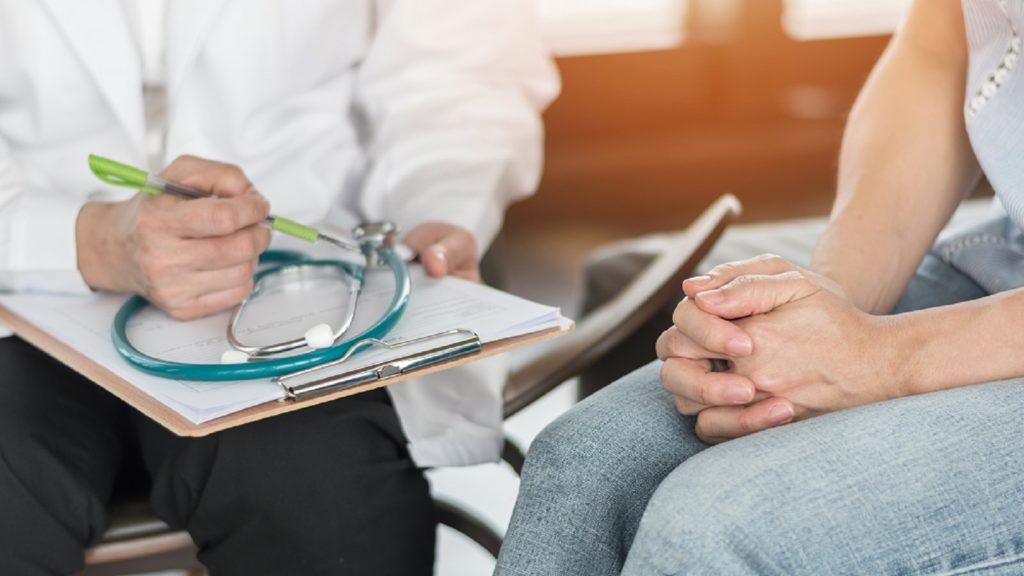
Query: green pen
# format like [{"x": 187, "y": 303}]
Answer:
[{"x": 118, "y": 174}]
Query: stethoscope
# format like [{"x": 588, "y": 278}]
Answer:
[{"x": 376, "y": 243}]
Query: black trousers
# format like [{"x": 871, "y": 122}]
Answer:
[{"x": 326, "y": 490}]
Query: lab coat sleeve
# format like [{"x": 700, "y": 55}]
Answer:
[
  {"x": 37, "y": 234},
  {"x": 451, "y": 92}
]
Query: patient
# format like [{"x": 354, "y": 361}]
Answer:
[{"x": 854, "y": 417}]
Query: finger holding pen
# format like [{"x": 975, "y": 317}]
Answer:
[{"x": 190, "y": 258}]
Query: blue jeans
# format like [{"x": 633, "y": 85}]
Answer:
[{"x": 930, "y": 484}]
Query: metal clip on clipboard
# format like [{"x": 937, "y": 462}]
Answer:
[{"x": 468, "y": 345}]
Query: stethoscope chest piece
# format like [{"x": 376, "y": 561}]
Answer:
[{"x": 374, "y": 238}]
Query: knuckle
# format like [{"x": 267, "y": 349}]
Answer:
[
  {"x": 667, "y": 374},
  {"x": 182, "y": 314},
  {"x": 153, "y": 269},
  {"x": 680, "y": 404},
  {"x": 703, "y": 430},
  {"x": 245, "y": 277},
  {"x": 739, "y": 282},
  {"x": 244, "y": 248},
  {"x": 263, "y": 237},
  {"x": 793, "y": 275},
  {"x": 661, "y": 346},
  {"x": 727, "y": 269},
  {"x": 162, "y": 297},
  {"x": 234, "y": 177},
  {"x": 707, "y": 335},
  {"x": 248, "y": 269},
  {"x": 746, "y": 422},
  {"x": 238, "y": 294},
  {"x": 768, "y": 382},
  {"x": 679, "y": 314},
  {"x": 148, "y": 221},
  {"x": 223, "y": 218},
  {"x": 664, "y": 373},
  {"x": 759, "y": 333},
  {"x": 705, "y": 391},
  {"x": 257, "y": 242}
]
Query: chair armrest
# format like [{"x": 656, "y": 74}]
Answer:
[{"x": 610, "y": 324}]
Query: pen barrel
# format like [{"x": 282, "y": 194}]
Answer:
[
  {"x": 293, "y": 228},
  {"x": 155, "y": 185}
]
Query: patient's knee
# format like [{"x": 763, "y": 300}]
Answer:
[{"x": 629, "y": 426}]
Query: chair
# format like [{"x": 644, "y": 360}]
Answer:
[{"x": 138, "y": 542}]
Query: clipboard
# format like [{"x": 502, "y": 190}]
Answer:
[{"x": 334, "y": 385}]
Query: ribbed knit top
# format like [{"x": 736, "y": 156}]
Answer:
[{"x": 994, "y": 102}]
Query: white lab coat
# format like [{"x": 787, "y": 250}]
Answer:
[{"x": 345, "y": 110}]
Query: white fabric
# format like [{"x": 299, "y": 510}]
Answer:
[
  {"x": 411, "y": 110},
  {"x": 145, "y": 20}
]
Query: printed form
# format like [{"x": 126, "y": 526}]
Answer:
[{"x": 435, "y": 305}]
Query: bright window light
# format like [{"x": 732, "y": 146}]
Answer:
[
  {"x": 820, "y": 19},
  {"x": 575, "y": 27}
]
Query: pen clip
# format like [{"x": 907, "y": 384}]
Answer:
[{"x": 117, "y": 174}]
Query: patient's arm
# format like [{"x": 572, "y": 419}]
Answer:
[
  {"x": 906, "y": 161},
  {"x": 905, "y": 165}
]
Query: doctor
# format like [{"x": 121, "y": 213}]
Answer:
[{"x": 424, "y": 112}]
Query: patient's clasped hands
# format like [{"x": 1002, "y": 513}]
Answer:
[{"x": 762, "y": 342}]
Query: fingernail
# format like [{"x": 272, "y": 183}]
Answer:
[
  {"x": 712, "y": 296},
  {"x": 699, "y": 279},
  {"x": 739, "y": 395},
  {"x": 780, "y": 414},
  {"x": 438, "y": 251},
  {"x": 739, "y": 346}
]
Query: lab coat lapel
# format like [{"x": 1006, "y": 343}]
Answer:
[
  {"x": 99, "y": 33},
  {"x": 188, "y": 25}
]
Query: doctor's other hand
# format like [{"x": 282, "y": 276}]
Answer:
[
  {"x": 445, "y": 249},
  {"x": 191, "y": 258}
]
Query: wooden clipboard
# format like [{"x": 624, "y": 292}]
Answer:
[{"x": 181, "y": 426}]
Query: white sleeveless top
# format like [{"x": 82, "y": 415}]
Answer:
[{"x": 994, "y": 102}]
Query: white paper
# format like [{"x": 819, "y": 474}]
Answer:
[{"x": 435, "y": 305}]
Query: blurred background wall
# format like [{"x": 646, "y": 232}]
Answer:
[{"x": 667, "y": 104}]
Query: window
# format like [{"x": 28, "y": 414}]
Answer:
[
  {"x": 575, "y": 27},
  {"x": 820, "y": 19}
]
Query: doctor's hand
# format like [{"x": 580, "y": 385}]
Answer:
[
  {"x": 445, "y": 249},
  {"x": 191, "y": 258}
]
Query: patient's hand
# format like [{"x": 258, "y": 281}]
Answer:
[
  {"x": 445, "y": 249},
  {"x": 813, "y": 351}
]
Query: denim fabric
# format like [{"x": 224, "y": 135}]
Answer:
[
  {"x": 931, "y": 484},
  {"x": 991, "y": 253}
]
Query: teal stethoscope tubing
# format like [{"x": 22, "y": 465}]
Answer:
[{"x": 258, "y": 369}]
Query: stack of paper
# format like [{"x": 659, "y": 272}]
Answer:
[{"x": 436, "y": 305}]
